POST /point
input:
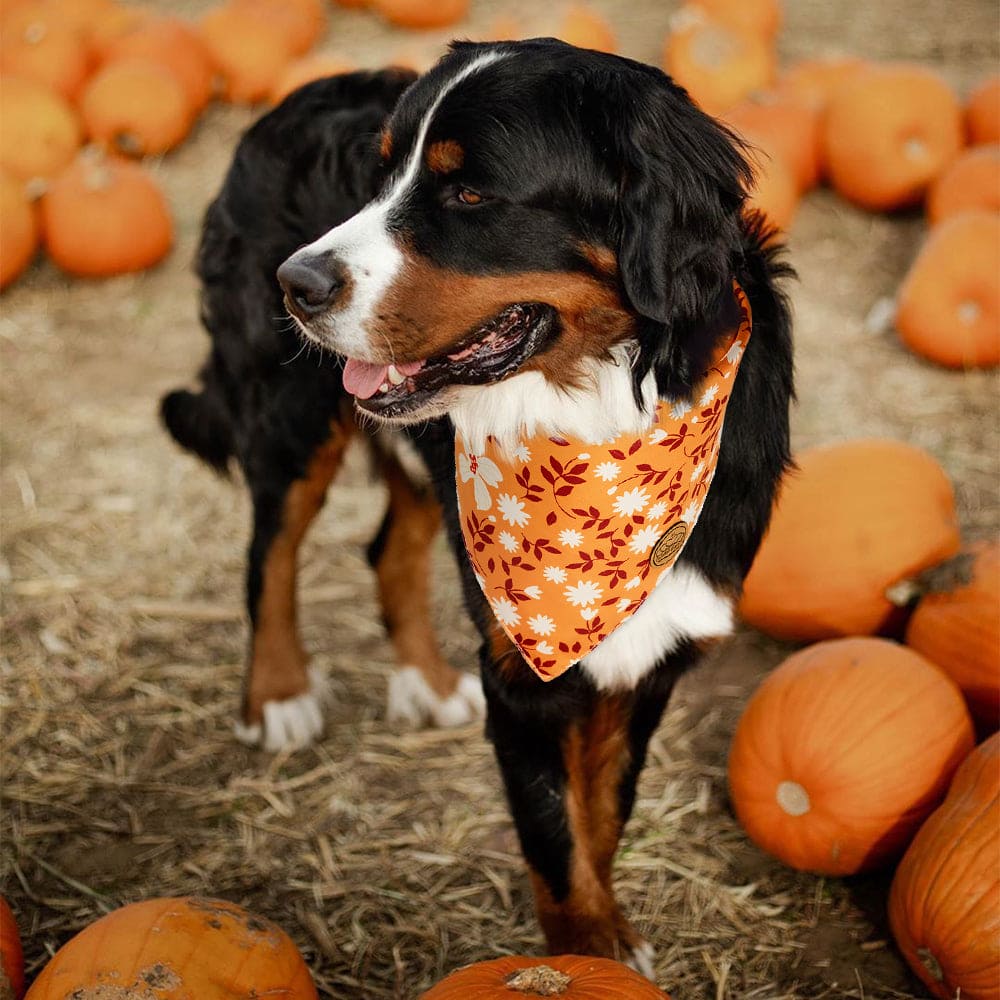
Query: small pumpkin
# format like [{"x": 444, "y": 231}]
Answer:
[
  {"x": 11, "y": 955},
  {"x": 569, "y": 977},
  {"x": 18, "y": 229},
  {"x": 775, "y": 192},
  {"x": 852, "y": 520},
  {"x": 757, "y": 17},
  {"x": 944, "y": 904},
  {"x": 80, "y": 16},
  {"x": 948, "y": 306},
  {"x": 814, "y": 81},
  {"x": 103, "y": 216},
  {"x": 971, "y": 181},
  {"x": 137, "y": 106},
  {"x": 888, "y": 133},
  {"x": 115, "y": 23},
  {"x": 302, "y": 22},
  {"x": 584, "y": 27},
  {"x": 982, "y": 112},
  {"x": 957, "y": 627},
  {"x": 716, "y": 63},
  {"x": 421, "y": 13},
  {"x": 40, "y": 134},
  {"x": 180, "y": 948},
  {"x": 299, "y": 72},
  {"x": 843, "y": 751},
  {"x": 37, "y": 46}
]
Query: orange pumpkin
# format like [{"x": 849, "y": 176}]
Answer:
[
  {"x": 843, "y": 751},
  {"x": 852, "y": 520},
  {"x": 504, "y": 29},
  {"x": 958, "y": 629},
  {"x": 40, "y": 132},
  {"x": 300, "y": 21},
  {"x": 104, "y": 216},
  {"x": 982, "y": 112},
  {"x": 18, "y": 229},
  {"x": 948, "y": 306},
  {"x": 11, "y": 955},
  {"x": 972, "y": 181},
  {"x": 138, "y": 107},
  {"x": 116, "y": 22},
  {"x": 944, "y": 905},
  {"x": 80, "y": 16},
  {"x": 569, "y": 977},
  {"x": 302, "y": 71},
  {"x": 815, "y": 81},
  {"x": 888, "y": 133},
  {"x": 775, "y": 192},
  {"x": 422, "y": 13},
  {"x": 716, "y": 63},
  {"x": 35, "y": 45},
  {"x": 757, "y": 17},
  {"x": 179, "y": 948},
  {"x": 171, "y": 43},
  {"x": 584, "y": 27}
]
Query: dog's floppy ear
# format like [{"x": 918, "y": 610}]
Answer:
[{"x": 682, "y": 181}]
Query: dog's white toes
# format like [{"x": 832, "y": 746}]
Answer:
[
  {"x": 413, "y": 702},
  {"x": 641, "y": 960},
  {"x": 291, "y": 723}
]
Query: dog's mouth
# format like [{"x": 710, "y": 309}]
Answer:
[{"x": 489, "y": 353}]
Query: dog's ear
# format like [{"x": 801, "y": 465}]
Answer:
[{"x": 682, "y": 180}]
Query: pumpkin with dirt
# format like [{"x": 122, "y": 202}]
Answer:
[
  {"x": 40, "y": 133},
  {"x": 944, "y": 904},
  {"x": 177, "y": 949},
  {"x": 971, "y": 181},
  {"x": 843, "y": 751}
]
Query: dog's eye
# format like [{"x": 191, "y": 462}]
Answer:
[{"x": 466, "y": 196}]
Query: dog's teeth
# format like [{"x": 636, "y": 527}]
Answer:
[
  {"x": 384, "y": 387},
  {"x": 394, "y": 376}
]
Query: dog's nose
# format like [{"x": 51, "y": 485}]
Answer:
[{"x": 310, "y": 284}]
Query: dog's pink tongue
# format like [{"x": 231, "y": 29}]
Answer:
[{"x": 362, "y": 378}]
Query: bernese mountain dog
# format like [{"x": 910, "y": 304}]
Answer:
[{"x": 529, "y": 247}]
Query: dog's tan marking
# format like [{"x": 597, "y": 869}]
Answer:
[
  {"x": 385, "y": 144},
  {"x": 445, "y": 157}
]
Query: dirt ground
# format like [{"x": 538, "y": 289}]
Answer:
[{"x": 390, "y": 856}]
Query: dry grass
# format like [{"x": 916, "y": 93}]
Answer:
[{"x": 390, "y": 856}]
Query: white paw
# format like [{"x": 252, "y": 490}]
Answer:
[
  {"x": 641, "y": 960},
  {"x": 291, "y": 723},
  {"x": 412, "y": 700}
]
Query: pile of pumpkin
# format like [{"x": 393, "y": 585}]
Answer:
[{"x": 844, "y": 754}]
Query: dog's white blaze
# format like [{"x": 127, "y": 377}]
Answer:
[
  {"x": 366, "y": 248},
  {"x": 683, "y": 606}
]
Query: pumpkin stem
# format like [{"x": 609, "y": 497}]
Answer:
[
  {"x": 931, "y": 964},
  {"x": 539, "y": 980},
  {"x": 128, "y": 143},
  {"x": 940, "y": 579},
  {"x": 97, "y": 173}
]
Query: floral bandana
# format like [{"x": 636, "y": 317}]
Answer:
[{"x": 568, "y": 538}]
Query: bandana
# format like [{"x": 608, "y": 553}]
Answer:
[{"x": 568, "y": 538}]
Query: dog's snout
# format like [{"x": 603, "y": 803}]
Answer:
[{"x": 310, "y": 284}]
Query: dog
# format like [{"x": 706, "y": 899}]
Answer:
[{"x": 553, "y": 256}]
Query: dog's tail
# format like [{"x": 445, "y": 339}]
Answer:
[{"x": 200, "y": 422}]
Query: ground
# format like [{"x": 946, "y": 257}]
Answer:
[{"x": 389, "y": 856}]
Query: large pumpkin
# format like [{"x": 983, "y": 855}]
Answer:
[
  {"x": 40, "y": 133},
  {"x": 944, "y": 905},
  {"x": 958, "y": 628},
  {"x": 568, "y": 977},
  {"x": 181, "y": 949},
  {"x": 843, "y": 751},
  {"x": 11, "y": 955},
  {"x": 972, "y": 181},
  {"x": 852, "y": 520}
]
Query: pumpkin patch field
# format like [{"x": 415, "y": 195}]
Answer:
[{"x": 383, "y": 859}]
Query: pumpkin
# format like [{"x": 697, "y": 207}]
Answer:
[
  {"x": 422, "y": 13},
  {"x": 775, "y": 192},
  {"x": 40, "y": 134},
  {"x": 888, "y": 133},
  {"x": 570, "y": 977},
  {"x": 300, "y": 21},
  {"x": 852, "y": 520},
  {"x": 115, "y": 23},
  {"x": 35, "y": 45},
  {"x": 181, "y": 948},
  {"x": 783, "y": 127},
  {"x": 18, "y": 229},
  {"x": 756, "y": 17},
  {"x": 716, "y": 63},
  {"x": 245, "y": 52},
  {"x": 948, "y": 306},
  {"x": 956, "y": 625},
  {"x": 504, "y": 29},
  {"x": 139, "y": 107},
  {"x": 104, "y": 216},
  {"x": 171, "y": 43},
  {"x": 815, "y": 81},
  {"x": 11, "y": 955},
  {"x": 299, "y": 72},
  {"x": 843, "y": 751},
  {"x": 584, "y": 27},
  {"x": 79, "y": 15},
  {"x": 972, "y": 181},
  {"x": 944, "y": 904},
  {"x": 982, "y": 112}
]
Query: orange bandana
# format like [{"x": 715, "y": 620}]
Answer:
[{"x": 568, "y": 538}]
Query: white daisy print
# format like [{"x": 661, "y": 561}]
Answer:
[
  {"x": 522, "y": 452},
  {"x": 709, "y": 394},
  {"x": 644, "y": 539},
  {"x": 583, "y": 593},
  {"x": 691, "y": 512},
  {"x": 544, "y": 648},
  {"x": 484, "y": 473},
  {"x": 587, "y": 613},
  {"x": 542, "y": 625},
  {"x": 608, "y": 471},
  {"x": 657, "y": 436},
  {"x": 583, "y": 456},
  {"x": 623, "y": 604},
  {"x": 508, "y": 541},
  {"x": 656, "y": 511},
  {"x": 633, "y": 583},
  {"x": 697, "y": 471},
  {"x": 534, "y": 592},
  {"x": 680, "y": 409},
  {"x": 512, "y": 510},
  {"x": 505, "y": 611},
  {"x": 570, "y": 538},
  {"x": 631, "y": 502},
  {"x": 554, "y": 574},
  {"x": 735, "y": 352}
]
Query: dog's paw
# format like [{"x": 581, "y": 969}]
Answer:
[
  {"x": 413, "y": 702},
  {"x": 641, "y": 960},
  {"x": 291, "y": 723}
]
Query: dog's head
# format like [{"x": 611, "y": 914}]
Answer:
[{"x": 540, "y": 205}]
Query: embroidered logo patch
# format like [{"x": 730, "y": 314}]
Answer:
[{"x": 668, "y": 548}]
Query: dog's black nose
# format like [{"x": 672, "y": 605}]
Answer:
[{"x": 310, "y": 284}]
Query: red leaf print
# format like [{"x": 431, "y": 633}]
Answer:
[
  {"x": 547, "y": 476},
  {"x": 636, "y": 445},
  {"x": 551, "y": 517},
  {"x": 564, "y": 491},
  {"x": 616, "y": 453}
]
